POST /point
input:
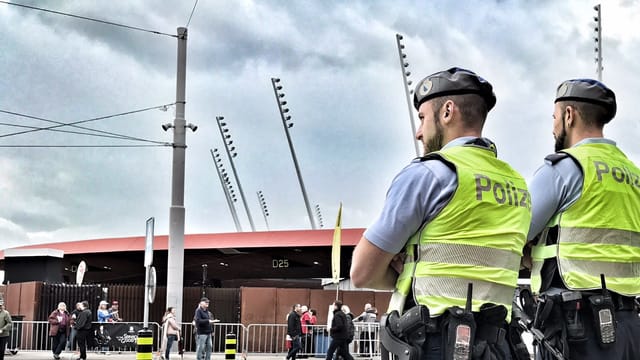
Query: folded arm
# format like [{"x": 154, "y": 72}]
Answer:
[{"x": 374, "y": 268}]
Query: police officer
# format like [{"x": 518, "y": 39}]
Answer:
[
  {"x": 456, "y": 216},
  {"x": 586, "y": 211}
]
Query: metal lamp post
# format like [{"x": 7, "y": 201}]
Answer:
[
  {"x": 204, "y": 279},
  {"x": 287, "y": 124},
  {"x": 404, "y": 66},
  {"x": 263, "y": 207},
  {"x": 226, "y": 139},
  {"x": 598, "y": 40},
  {"x": 319, "y": 216},
  {"x": 226, "y": 187}
]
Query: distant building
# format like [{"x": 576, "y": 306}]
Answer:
[{"x": 299, "y": 258}]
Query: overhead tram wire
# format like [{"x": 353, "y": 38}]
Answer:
[
  {"x": 82, "y": 146},
  {"x": 192, "y": 11},
  {"x": 99, "y": 133},
  {"x": 88, "y": 18},
  {"x": 87, "y": 120},
  {"x": 74, "y": 132}
]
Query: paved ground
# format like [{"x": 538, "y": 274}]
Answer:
[{"x": 37, "y": 355}]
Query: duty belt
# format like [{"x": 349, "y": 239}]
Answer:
[{"x": 621, "y": 302}]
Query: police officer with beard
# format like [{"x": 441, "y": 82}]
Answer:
[
  {"x": 586, "y": 232},
  {"x": 454, "y": 220}
]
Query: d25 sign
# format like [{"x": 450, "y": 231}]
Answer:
[{"x": 280, "y": 263}]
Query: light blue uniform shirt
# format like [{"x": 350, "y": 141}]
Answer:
[
  {"x": 554, "y": 187},
  {"x": 416, "y": 195}
]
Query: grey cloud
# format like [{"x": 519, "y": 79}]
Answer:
[
  {"x": 340, "y": 71},
  {"x": 39, "y": 221},
  {"x": 11, "y": 234}
]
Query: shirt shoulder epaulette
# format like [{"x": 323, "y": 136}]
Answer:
[
  {"x": 436, "y": 156},
  {"x": 556, "y": 157}
]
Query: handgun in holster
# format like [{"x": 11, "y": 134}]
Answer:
[
  {"x": 604, "y": 319},
  {"x": 403, "y": 336},
  {"x": 460, "y": 331},
  {"x": 572, "y": 305}
]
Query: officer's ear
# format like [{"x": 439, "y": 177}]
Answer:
[
  {"x": 447, "y": 111},
  {"x": 569, "y": 116}
]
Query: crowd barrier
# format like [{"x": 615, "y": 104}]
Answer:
[
  {"x": 272, "y": 339},
  {"x": 266, "y": 339},
  {"x": 120, "y": 336}
]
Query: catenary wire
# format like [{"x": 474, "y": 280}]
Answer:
[
  {"x": 107, "y": 134},
  {"x": 88, "y": 18},
  {"x": 87, "y": 120},
  {"x": 82, "y": 146},
  {"x": 65, "y": 131},
  {"x": 192, "y": 11}
]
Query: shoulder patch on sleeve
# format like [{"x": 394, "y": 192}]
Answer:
[{"x": 436, "y": 156}]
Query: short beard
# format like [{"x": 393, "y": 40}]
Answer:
[
  {"x": 435, "y": 142},
  {"x": 561, "y": 139}
]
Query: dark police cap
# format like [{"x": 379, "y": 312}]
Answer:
[
  {"x": 455, "y": 81},
  {"x": 587, "y": 90}
]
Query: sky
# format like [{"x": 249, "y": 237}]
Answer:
[{"x": 340, "y": 71}]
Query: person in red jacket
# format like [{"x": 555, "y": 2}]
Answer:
[{"x": 307, "y": 320}]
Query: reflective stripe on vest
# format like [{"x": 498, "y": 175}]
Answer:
[
  {"x": 600, "y": 232},
  {"x": 476, "y": 238}
]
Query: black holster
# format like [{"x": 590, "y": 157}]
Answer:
[
  {"x": 519, "y": 350},
  {"x": 403, "y": 336},
  {"x": 551, "y": 322},
  {"x": 491, "y": 333}
]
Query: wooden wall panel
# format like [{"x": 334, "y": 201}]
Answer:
[
  {"x": 286, "y": 298},
  {"x": 320, "y": 300},
  {"x": 258, "y": 305}
]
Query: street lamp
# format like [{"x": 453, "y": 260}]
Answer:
[
  {"x": 287, "y": 124},
  {"x": 404, "y": 66},
  {"x": 263, "y": 207},
  {"x": 319, "y": 215},
  {"x": 598, "y": 41},
  {"x": 226, "y": 139},
  {"x": 204, "y": 279},
  {"x": 226, "y": 186}
]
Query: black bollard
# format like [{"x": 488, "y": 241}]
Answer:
[
  {"x": 144, "y": 351},
  {"x": 230, "y": 341}
]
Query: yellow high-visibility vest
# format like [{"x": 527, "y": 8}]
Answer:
[
  {"x": 476, "y": 238},
  {"x": 600, "y": 232}
]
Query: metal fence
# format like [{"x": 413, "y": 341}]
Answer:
[
  {"x": 220, "y": 330},
  {"x": 252, "y": 339},
  {"x": 122, "y": 336},
  {"x": 272, "y": 339}
]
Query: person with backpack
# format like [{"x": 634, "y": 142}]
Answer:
[{"x": 342, "y": 332}]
